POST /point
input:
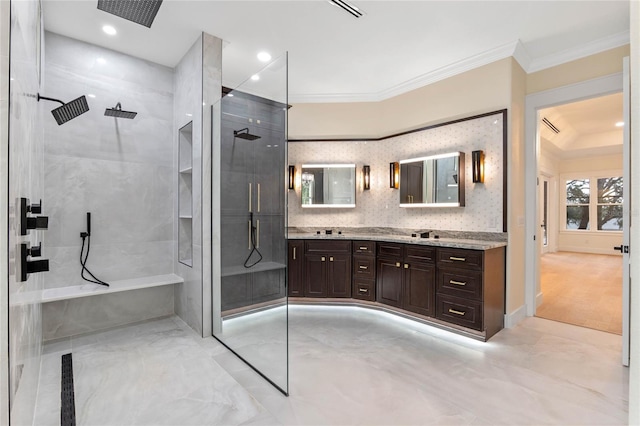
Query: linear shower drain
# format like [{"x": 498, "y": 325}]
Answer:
[{"x": 67, "y": 397}]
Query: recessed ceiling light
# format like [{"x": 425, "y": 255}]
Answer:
[
  {"x": 91, "y": 95},
  {"x": 620, "y": 124},
  {"x": 101, "y": 61},
  {"x": 255, "y": 77},
  {"x": 264, "y": 57},
  {"x": 108, "y": 29}
]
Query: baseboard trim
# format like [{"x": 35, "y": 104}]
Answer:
[
  {"x": 590, "y": 250},
  {"x": 512, "y": 319}
]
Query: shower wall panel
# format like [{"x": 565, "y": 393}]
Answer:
[{"x": 120, "y": 170}]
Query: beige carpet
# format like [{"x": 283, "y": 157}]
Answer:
[{"x": 582, "y": 289}]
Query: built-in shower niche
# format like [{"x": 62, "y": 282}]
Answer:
[{"x": 185, "y": 194}]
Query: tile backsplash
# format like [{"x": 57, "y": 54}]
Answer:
[{"x": 379, "y": 206}]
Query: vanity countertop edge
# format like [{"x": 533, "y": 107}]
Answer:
[{"x": 435, "y": 242}]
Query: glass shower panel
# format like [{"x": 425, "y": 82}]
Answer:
[{"x": 252, "y": 298}]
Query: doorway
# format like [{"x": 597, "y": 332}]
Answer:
[{"x": 581, "y": 275}]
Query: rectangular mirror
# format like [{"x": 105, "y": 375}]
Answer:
[
  {"x": 433, "y": 181},
  {"x": 328, "y": 185}
]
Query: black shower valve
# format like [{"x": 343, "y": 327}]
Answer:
[
  {"x": 36, "y": 222},
  {"x": 26, "y": 266},
  {"x": 35, "y": 208}
]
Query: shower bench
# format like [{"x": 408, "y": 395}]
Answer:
[{"x": 74, "y": 310}]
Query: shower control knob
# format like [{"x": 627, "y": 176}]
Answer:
[
  {"x": 38, "y": 222},
  {"x": 35, "y": 208},
  {"x": 35, "y": 251}
]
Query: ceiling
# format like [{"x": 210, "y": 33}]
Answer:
[
  {"x": 587, "y": 128},
  {"x": 395, "y": 47}
]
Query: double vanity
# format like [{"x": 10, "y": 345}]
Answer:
[{"x": 452, "y": 283}]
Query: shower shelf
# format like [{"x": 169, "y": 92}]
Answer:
[
  {"x": 260, "y": 267},
  {"x": 85, "y": 290}
]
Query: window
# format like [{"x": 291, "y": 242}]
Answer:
[
  {"x": 609, "y": 206},
  {"x": 606, "y": 207}
]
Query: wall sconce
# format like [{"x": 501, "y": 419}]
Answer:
[
  {"x": 292, "y": 177},
  {"x": 394, "y": 175},
  {"x": 366, "y": 176},
  {"x": 477, "y": 163}
]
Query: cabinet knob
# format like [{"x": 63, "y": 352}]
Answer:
[
  {"x": 406, "y": 266},
  {"x": 397, "y": 264},
  {"x": 324, "y": 259},
  {"x": 331, "y": 259}
]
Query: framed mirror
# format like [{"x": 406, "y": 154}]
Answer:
[
  {"x": 328, "y": 185},
  {"x": 433, "y": 181}
]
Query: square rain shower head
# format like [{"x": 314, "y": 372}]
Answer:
[
  {"x": 70, "y": 110},
  {"x": 141, "y": 12}
]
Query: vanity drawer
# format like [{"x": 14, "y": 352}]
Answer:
[
  {"x": 390, "y": 250},
  {"x": 460, "y": 283},
  {"x": 364, "y": 247},
  {"x": 364, "y": 289},
  {"x": 327, "y": 246},
  {"x": 422, "y": 254},
  {"x": 364, "y": 267},
  {"x": 464, "y": 312},
  {"x": 460, "y": 258}
]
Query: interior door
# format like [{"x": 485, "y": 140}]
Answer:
[{"x": 626, "y": 209}]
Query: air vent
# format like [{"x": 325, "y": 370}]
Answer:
[
  {"x": 351, "y": 9},
  {"x": 141, "y": 12},
  {"x": 550, "y": 125}
]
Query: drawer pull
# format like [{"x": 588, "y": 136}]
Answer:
[
  {"x": 331, "y": 259},
  {"x": 363, "y": 267},
  {"x": 363, "y": 290},
  {"x": 453, "y": 311},
  {"x": 323, "y": 258},
  {"x": 457, "y": 259},
  {"x": 363, "y": 248},
  {"x": 397, "y": 264},
  {"x": 406, "y": 266},
  {"x": 457, "y": 282},
  {"x": 294, "y": 253}
]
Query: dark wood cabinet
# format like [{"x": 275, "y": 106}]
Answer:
[
  {"x": 295, "y": 265},
  {"x": 364, "y": 270},
  {"x": 470, "y": 288},
  {"x": 406, "y": 277},
  {"x": 327, "y": 268}
]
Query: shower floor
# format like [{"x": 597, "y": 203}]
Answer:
[{"x": 348, "y": 366}]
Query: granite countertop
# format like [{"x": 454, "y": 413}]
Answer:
[{"x": 463, "y": 243}]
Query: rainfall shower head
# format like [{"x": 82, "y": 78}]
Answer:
[
  {"x": 117, "y": 112},
  {"x": 244, "y": 134},
  {"x": 67, "y": 111},
  {"x": 141, "y": 12}
]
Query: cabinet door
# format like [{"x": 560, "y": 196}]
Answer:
[
  {"x": 296, "y": 268},
  {"x": 315, "y": 275},
  {"x": 338, "y": 275},
  {"x": 419, "y": 288},
  {"x": 389, "y": 282}
]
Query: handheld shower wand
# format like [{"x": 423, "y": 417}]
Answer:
[
  {"x": 254, "y": 248},
  {"x": 83, "y": 258}
]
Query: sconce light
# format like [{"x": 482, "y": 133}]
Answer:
[
  {"x": 292, "y": 177},
  {"x": 394, "y": 175},
  {"x": 366, "y": 176},
  {"x": 477, "y": 162}
]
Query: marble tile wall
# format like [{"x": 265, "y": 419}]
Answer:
[
  {"x": 188, "y": 107},
  {"x": 120, "y": 170},
  {"x": 23, "y": 114},
  {"x": 378, "y": 207}
]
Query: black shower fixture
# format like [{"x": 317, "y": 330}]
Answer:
[
  {"x": 67, "y": 111},
  {"x": 141, "y": 12},
  {"x": 244, "y": 134},
  {"x": 117, "y": 112}
]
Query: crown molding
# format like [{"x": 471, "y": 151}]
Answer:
[
  {"x": 591, "y": 48},
  {"x": 515, "y": 49}
]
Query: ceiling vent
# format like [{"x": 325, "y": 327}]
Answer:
[
  {"x": 550, "y": 125},
  {"x": 351, "y": 9},
  {"x": 141, "y": 12}
]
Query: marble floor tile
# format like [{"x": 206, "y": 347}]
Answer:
[{"x": 347, "y": 366}]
